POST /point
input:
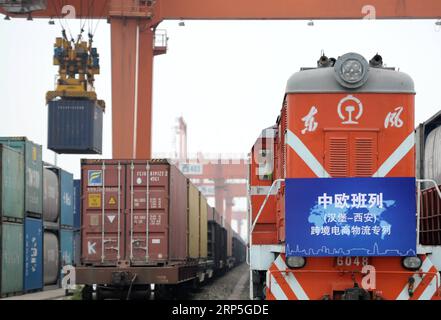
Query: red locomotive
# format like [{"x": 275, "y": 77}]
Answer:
[{"x": 346, "y": 121}]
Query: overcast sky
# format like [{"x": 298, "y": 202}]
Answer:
[{"x": 227, "y": 78}]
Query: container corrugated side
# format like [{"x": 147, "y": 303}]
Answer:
[
  {"x": 66, "y": 199},
  {"x": 179, "y": 249},
  {"x": 11, "y": 183},
  {"x": 33, "y": 172},
  {"x": 11, "y": 258},
  {"x": 193, "y": 221},
  {"x": 203, "y": 205},
  {"x": 33, "y": 261},
  {"x": 75, "y": 127},
  {"x": 77, "y": 204}
]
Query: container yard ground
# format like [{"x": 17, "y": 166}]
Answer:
[
  {"x": 232, "y": 286},
  {"x": 57, "y": 294}
]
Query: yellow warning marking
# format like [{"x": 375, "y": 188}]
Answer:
[
  {"x": 112, "y": 200},
  {"x": 34, "y": 153},
  {"x": 94, "y": 201}
]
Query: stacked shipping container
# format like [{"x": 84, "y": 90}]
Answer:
[
  {"x": 21, "y": 193},
  {"x": 31, "y": 200}
]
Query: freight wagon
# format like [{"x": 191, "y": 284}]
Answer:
[
  {"x": 239, "y": 249},
  {"x": 333, "y": 190},
  {"x": 143, "y": 223}
]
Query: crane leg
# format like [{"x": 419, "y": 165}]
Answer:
[{"x": 132, "y": 83}]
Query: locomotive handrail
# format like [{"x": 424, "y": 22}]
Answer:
[
  {"x": 263, "y": 205},
  {"x": 253, "y": 225},
  {"x": 433, "y": 182}
]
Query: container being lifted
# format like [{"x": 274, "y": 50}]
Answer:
[
  {"x": 75, "y": 115},
  {"x": 23, "y": 6}
]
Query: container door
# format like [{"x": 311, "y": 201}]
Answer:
[
  {"x": 103, "y": 199},
  {"x": 147, "y": 184},
  {"x": 11, "y": 262},
  {"x": 33, "y": 172},
  {"x": 33, "y": 261},
  {"x": 66, "y": 201},
  {"x": 34, "y": 178},
  {"x": 12, "y": 183}
]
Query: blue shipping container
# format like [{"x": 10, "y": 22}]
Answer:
[
  {"x": 75, "y": 127},
  {"x": 67, "y": 198},
  {"x": 33, "y": 248},
  {"x": 77, "y": 204},
  {"x": 67, "y": 247}
]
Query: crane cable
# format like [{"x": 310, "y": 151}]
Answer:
[
  {"x": 100, "y": 17},
  {"x": 66, "y": 22},
  {"x": 63, "y": 29}
]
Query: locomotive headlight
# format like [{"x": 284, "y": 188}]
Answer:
[
  {"x": 351, "y": 70},
  {"x": 412, "y": 263},
  {"x": 295, "y": 262}
]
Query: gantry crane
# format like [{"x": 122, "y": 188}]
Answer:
[
  {"x": 133, "y": 24},
  {"x": 223, "y": 179}
]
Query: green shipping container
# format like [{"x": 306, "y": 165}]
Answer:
[
  {"x": 11, "y": 258},
  {"x": 11, "y": 183},
  {"x": 33, "y": 181}
]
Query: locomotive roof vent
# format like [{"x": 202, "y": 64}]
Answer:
[{"x": 351, "y": 70}]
